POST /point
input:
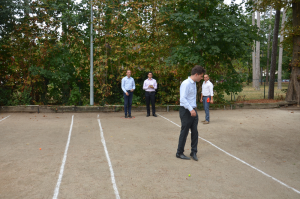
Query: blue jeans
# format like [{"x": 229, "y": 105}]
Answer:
[
  {"x": 128, "y": 102},
  {"x": 206, "y": 107}
]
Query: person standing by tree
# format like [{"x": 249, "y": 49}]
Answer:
[
  {"x": 207, "y": 97},
  {"x": 188, "y": 113},
  {"x": 128, "y": 86},
  {"x": 150, "y": 86}
]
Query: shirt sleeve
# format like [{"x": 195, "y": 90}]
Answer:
[
  {"x": 155, "y": 84},
  {"x": 211, "y": 89},
  {"x": 183, "y": 97},
  {"x": 123, "y": 85},
  {"x": 133, "y": 84},
  {"x": 145, "y": 85}
]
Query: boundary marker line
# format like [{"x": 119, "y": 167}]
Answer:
[
  {"x": 4, "y": 118},
  {"x": 109, "y": 162},
  {"x": 280, "y": 182},
  {"x": 56, "y": 191}
]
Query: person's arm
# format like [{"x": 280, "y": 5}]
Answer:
[
  {"x": 201, "y": 99},
  {"x": 155, "y": 85},
  {"x": 133, "y": 85},
  {"x": 123, "y": 85},
  {"x": 211, "y": 93},
  {"x": 145, "y": 85},
  {"x": 183, "y": 97}
]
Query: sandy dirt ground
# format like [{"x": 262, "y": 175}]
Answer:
[{"x": 142, "y": 154}]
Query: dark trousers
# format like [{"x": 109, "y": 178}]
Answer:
[
  {"x": 128, "y": 102},
  {"x": 150, "y": 97},
  {"x": 188, "y": 122}
]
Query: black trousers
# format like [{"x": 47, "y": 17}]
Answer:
[
  {"x": 150, "y": 97},
  {"x": 188, "y": 122}
]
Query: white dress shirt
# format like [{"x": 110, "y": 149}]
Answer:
[
  {"x": 148, "y": 82},
  {"x": 188, "y": 92},
  {"x": 207, "y": 89}
]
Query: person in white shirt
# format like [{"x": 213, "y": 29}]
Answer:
[
  {"x": 207, "y": 97},
  {"x": 150, "y": 86},
  {"x": 188, "y": 113}
]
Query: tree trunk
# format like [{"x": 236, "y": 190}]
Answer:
[
  {"x": 274, "y": 55},
  {"x": 268, "y": 52},
  {"x": 257, "y": 57},
  {"x": 253, "y": 54},
  {"x": 280, "y": 51},
  {"x": 293, "y": 92}
]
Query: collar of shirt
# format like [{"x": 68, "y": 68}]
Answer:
[
  {"x": 207, "y": 82},
  {"x": 191, "y": 81}
]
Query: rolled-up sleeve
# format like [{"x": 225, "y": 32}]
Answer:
[
  {"x": 155, "y": 84},
  {"x": 183, "y": 97},
  {"x": 123, "y": 85}
]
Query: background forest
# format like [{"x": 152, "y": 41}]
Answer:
[{"x": 45, "y": 47}]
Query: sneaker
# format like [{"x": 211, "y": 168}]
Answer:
[
  {"x": 126, "y": 116},
  {"x": 206, "y": 122},
  {"x": 203, "y": 121},
  {"x": 130, "y": 116}
]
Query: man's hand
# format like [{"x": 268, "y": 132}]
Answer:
[
  {"x": 131, "y": 90},
  {"x": 149, "y": 86},
  {"x": 193, "y": 113},
  {"x": 201, "y": 100},
  {"x": 212, "y": 101},
  {"x": 127, "y": 93}
]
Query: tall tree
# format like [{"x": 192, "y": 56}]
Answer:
[
  {"x": 268, "y": 50},
  {"x": 257, "y": 54},
  {"x": 253, "y": 52},
  {"x": 293, "y": 92},
  {"x": 281, "y": 50},
  {"x": 274, "y": 54}
]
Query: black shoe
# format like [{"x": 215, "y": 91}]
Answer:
[
  {"x": 194, "y": 156},
  {"x": 126, "y": 116},
  {"x": 182, "y": 156},
  {"x": 130, "y": 116},
  {"x": 148, "y": 115},
  {"x": 154, "y": 115}
]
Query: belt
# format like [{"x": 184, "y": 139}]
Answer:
[
  {"x": 128, "y": 91},
  {"x": 207, "y": 96},
  {"x": 150, "y": 91}
]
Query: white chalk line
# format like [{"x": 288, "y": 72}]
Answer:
[
  {"x": 275, "y": 179},
  {"x": 109, "y": 162},
  {"x": 4, "y": 118},
  {"x": 56, "y": 191}
]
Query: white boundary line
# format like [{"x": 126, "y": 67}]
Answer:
[
  {"x": 297, "y": 191},
  {"x": 109, "y": 162},
  {"x": 56, "y": 191},
  {"x": 4, "y": 118}
]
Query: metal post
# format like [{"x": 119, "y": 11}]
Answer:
[
  {"x": 91, "y": 61},
  {"x": 265, "y": 89}
]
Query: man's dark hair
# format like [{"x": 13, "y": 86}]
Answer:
[
  {"x": 149, "y": 72},
  {"x": 198, "y": 69}
]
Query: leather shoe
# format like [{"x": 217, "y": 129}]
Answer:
[
  {"x": 194, "y": 156},
  {"x": 130, "y": 116},
  {"x": 182, "y": 156},
  {"x": 126, "y": 116},
  {"x": 154, "y": 115},
  {"x": 148, "y": 115},
  {"x": 203, "y": 121},
  {"x": 206, "y": 122}
]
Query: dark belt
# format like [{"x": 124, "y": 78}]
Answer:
[
  {"x": 128, "y": 91},
  {"x": 206, "y": 96},
  {"x": 150, "y": 91}
]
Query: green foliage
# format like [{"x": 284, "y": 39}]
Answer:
[
  {"x": 20, "y": 98},
  {"x": 75, "y": 95},
  {"x": 165, "y": 37}
]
